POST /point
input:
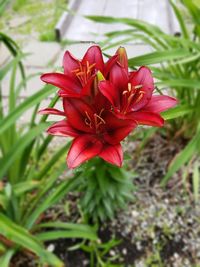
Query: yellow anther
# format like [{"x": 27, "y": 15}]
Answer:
[{"x": 129, "y": 87}]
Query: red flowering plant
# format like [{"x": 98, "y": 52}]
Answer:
[{"x": 102, "y": 104}]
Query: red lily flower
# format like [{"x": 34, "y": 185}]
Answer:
[
  {"x": 130, "y": 95},
  {"x": 96, "y": 132},
  {"x": 78, "y": 77}
]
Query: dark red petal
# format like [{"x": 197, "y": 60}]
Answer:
[
  {"x": 112, "y": 154},
  {"x": 119, "y": 77},
  {"x": 146, "y": 118},
  {"x": 62, "y": 81},
  {"x": 142, "y": 77},
  {"x": 65, "y": 93},
  {"x": 110, "y": 92},
  {"x": 159, "y": 103},
  {"x": 86, "y": 90},
  {"x": 77, "y": 112},
  {"x": 63, "y": 128},
  {"x": 107, "y": 67},
  {"x": 70, "y": 63},
  {"x": 51, "y": 111},
  {"x": 83, "y": 148},
  {"x": 94, "y": 55},
  {"x": 117, "y": 129}
]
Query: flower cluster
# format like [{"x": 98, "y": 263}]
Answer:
[{"x": 102, "y": 104}]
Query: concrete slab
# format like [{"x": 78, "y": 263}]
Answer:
[
  {"x": 41, "y": 53},
  {"x": 152, "y": 11},
  {"x": 82, "y": 29},
  {"x": 155, "y": 12},
  {"x": 34, "y": 84}
]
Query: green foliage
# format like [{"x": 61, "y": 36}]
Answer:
[
  {"x": 29, "y": 175},
  {"x": 3, "y": 4},
  {"x": 104, "y": 189},
  {"x": 99, "y": 252},
  {"x": 179, "y": 68},
  {"x": 40, "y": 18}
]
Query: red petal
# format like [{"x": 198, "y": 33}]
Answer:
[
  {"x": 110, "y": 92},
  {"x": 159, "y": 103},
  {"x": 65, "y": 93},
  {"x": 77, "y": 111},
  {"x": 117, "y": 129},
  {"x": 51, "y": 111},
  {"x": 112, "y": 154},
  {"x": 142, "y": 77},
  {"x": 111, "y": 61},
  {"x": 146, "y": 118},
  {"x": 86, "y": 90},
  {"x": 69, "y": 85},
  {"x": 94, "y": 55},
  {"x": 63, "y": 128},
  {"x": 83, "y": 148},
  {"x": 119, "y": 77},
  {"x": 70, "y": 63}
]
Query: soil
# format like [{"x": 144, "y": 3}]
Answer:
[{"x": 159, "y": 228}]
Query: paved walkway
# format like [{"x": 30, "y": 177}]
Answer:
[{"x": 45, "y": 56}]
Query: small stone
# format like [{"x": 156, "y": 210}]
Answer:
[
  {"x": 176, "y": 256},
  {"x": 124, "y": 251},
  {"x": 138, "y": 245},
  {"x": 85, "y": 262},
  {"x": 51, "y": 247},
  {"x": 112, "y": 252},
  {"x": 134, "y": 213}
]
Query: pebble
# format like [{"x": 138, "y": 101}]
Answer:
[
  {"x": 86, "y": 262},
  {"x": 112, "y": 252},
  {"x": 124, "y": 251},
  {"x": 134, "y": 213},
  {"x": 51, "y": 247}
]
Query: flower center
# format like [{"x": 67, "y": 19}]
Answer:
[
  {"x": 84, "y": 72},
  {"x": 132, "y": 95},
  {"x": 94, "y": 121}
]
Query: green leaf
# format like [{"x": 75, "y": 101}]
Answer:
[
  {"x": 176, "y": 112},
  {"x": 28, "y": 103},
  {"x": 21, "y": 188},
  {"x": 182, "y": 158},
  {"x": 56, "y": 195},
  {"x": 19, "y": 146},
  {"x": 196, "y": 181},
  {"x": 158, "y": 57},
  {"x": 180, "y": 20},
  {"x": 82, "y": 230},
  {"x": 22, "y": 237},
  {"x": 53, "y": 235},
  {"x": 5, "y": 258},
  {"x": 186, "y": 83}
]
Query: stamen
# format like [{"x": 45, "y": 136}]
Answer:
[
  {"x": 139, "y": 98},
  {"x": 124, "y": 92},
  {"x": 88, "y": 116},
  {"x": 129, "y": 87},
  {"x": 102, "y": 120},
  {"x": 76, "y": 70},
  {"x": 101, "y": 111},
  {"x": 138, "y": 86}
]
